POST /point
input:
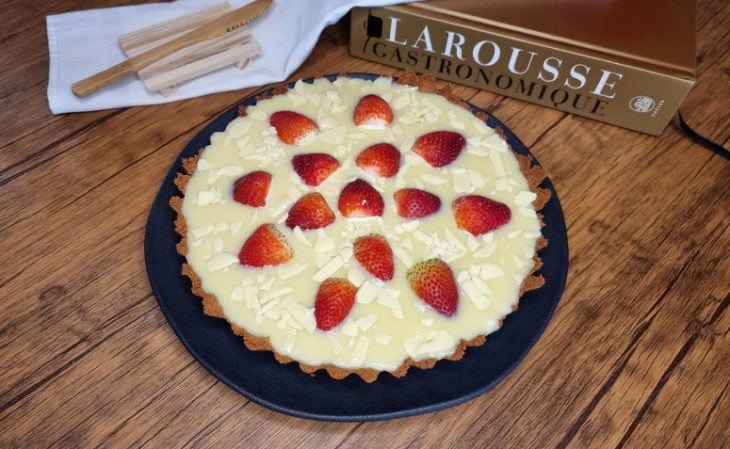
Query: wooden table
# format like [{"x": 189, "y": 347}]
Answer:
[{"x": 636, "y": 356}]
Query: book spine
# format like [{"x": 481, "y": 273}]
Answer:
[{"x": 566, "y": 79}]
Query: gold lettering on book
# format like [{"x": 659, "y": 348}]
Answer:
[{"x": 486, "y": 62}]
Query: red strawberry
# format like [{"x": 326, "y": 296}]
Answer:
[
  {"x": 293, "y": 128},
  {"x": 314, "y": 168},
  {"x": 382, "y": 159},
  {"x": 266, "y": 246},
  {"x": 479, "y": 215},
  {"x": 251, "y": 189},
  {"x": 416, "y": 203},
  {"x": 310, "y": 212},
  {"x": 374, "y": 254},
  {"x": 433, "y": 282},
  {"x": 334, "y": 300},
  {"x": 360, "y": 199},
  {"x": 439, "y": 148},
  {"x": 372, "y": 112}
]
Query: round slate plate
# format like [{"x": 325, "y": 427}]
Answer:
[{"x": 284, "y": 388}]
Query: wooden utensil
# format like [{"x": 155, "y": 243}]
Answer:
[
  {"x": 215, "y": 28},
  {"x": 237, "y": 47}
]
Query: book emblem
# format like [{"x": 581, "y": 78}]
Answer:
[{"x": 642, "y": 104}]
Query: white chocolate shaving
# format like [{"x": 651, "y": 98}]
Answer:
[
  {"x": 324, "y": 243},
  {"x": 329, "y": 269},
  {"x": 438, "y": 346},
  {"x": 386, "y": 298},
  {"x": 497, "y": 162},
  {"x": 355, "y": 276},
  {"x": 204, "y": 164},
  {"x": 237, "y": 294},
  {"x": 461, "y": 181},
  {"x": 221, "y": 261},
  {"x": 230, "y": 170},
  {"x": 383, "y": 339},
  {"x": 486, "y": 251},
  {"x": 525, "y": 198},
  {"x": 490, "y": 271},
  {"x": 360, "y": 351},
  {"x": 287, "y": 271},
  {"x": 475, "y": 295},
  {"x": 299, "y": 235},
  {"x": 348, "y": 328},
  {"x": 303, "y": 315},
  {"x": 212, "y": 196},
  {"x": 527, "y": 212},
  {"x": 202, "y": 231},
  {"x": 433, "y": 179},
  {"x": 403, "y": 255},
  {"x": 519, "y": 261},
  {"x": 366, "y": 293},
  {"x": 366, "y": 322}
]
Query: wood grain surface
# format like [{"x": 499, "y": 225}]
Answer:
[{"x": 637, "y": 354}]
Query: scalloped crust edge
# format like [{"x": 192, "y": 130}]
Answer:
[{"x": 534, "y": 174}]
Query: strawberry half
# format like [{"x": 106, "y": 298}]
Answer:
[
  {"x": 372, "y": 112},
  {"x": 439, "y": 148},
  {"x": 264, "y": 247},
  {"x": 293, "y": 128},
  {"x": 479, "y": 215},
  {"x": 416, "y": 203},
  {"x": 251, "y": 189},
  {"x": 433, "y": 282},
  {"x": 360, "y": 199},
  {"x": 381, "y": 159},
  {"x": 333, "y": 303},
  {"x": 310, "y": 212},
  {"x": 374, "y": 254},
  {"x": 314, "y": 168}
]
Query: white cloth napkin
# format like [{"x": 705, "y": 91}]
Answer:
[{"x": 85, "y": 42}]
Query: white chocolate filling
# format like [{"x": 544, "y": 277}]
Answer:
[{"x": 388, "y": 322}]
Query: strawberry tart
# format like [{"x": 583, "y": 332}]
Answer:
[{"x": 360, "y": 226}]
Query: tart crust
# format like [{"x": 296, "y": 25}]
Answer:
[{"x": 534, "y": 174}]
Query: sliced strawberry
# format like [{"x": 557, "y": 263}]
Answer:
[
  {"x": 251, "y": 189},
  {"x": 265, "y": 246},
  {"x": 381, "y": 159},
  {"x": 314, "y": 168},
  {"x": 374, "y": 254},
  {"x": 310, "y": 212},
  {"x": 416, "y": 203},
  {"x": 439, "y": 148},
  {"x": 372, "y": 112},
  {"x": 333, "y": 303},
  {"x": 360, "y": 199},
  {"x": 293, "y": 128},
  {"x": 433, "y": 282},
  {"x": 479, "y": 215}
]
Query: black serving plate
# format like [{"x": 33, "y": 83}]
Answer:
[{"x": 284, "y": 388}]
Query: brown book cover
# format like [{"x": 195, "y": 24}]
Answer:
[{"x": 623, "y": 62}]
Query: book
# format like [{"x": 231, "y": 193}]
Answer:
[{"x": 622, "y": 62}]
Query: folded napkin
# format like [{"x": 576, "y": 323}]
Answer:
[{"x": 85, "y": 42}]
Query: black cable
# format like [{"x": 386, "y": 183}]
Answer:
[{"x": 702, "y": 140}]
